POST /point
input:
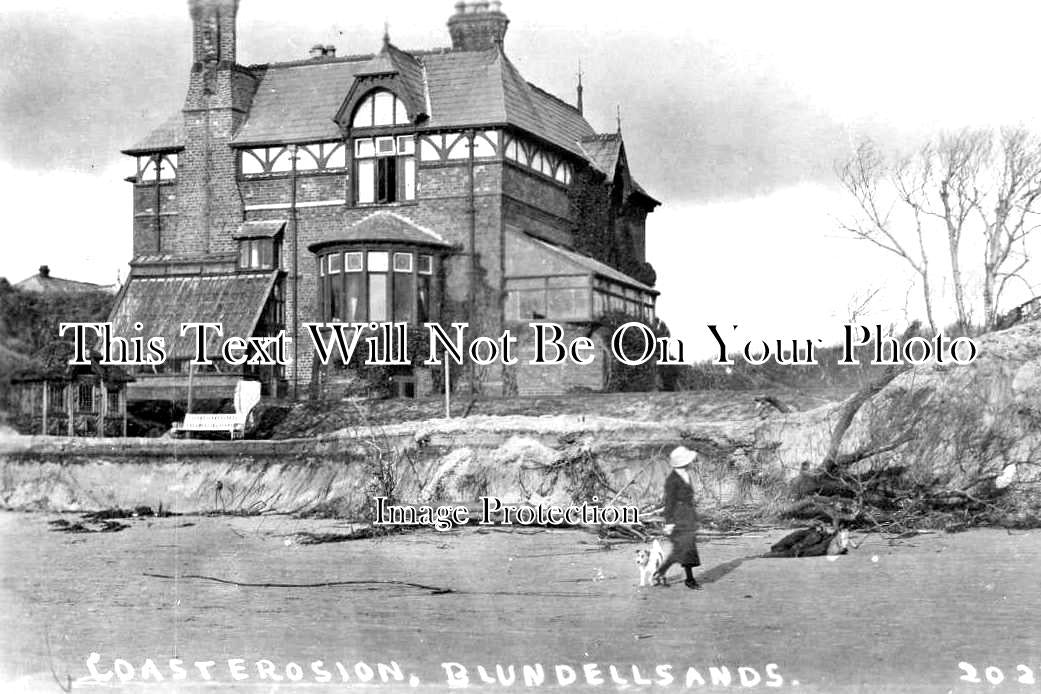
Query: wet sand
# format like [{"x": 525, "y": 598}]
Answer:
[{"x": 893, "y": 617}]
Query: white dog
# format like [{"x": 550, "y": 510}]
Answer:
[{"x": 649, "y": 561}]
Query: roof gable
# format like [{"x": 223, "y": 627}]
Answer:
[{"x": 392, "y": 69}]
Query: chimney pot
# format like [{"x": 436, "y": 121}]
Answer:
[
  {"x": 45, "y": 271},
  {"x": 330, "y": 51},
  {"x": 474, "y": 28},
  {"x": 317, "y": 51}
]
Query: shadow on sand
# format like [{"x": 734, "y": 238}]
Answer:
[{"x": 720, "y": 570}]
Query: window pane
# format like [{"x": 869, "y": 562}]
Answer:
[
  {"x": 402, "y": 262},
  {"x": 384, "y": 108},
  {"x": 532, "y": 304},
  {"x": 86, "y": 397},
  {"x": 569, "y": 304},
  {"x": 410, "y": 178},
  {"x": 365, "y": 148},
  {"x": 244, "y": 254},
  {"x": 426, "y": 264},
  {"x": 266, "y": 255},
  {"x": 400, "y": 114},
  {"x": 366, "y": 181},
  {"x": 254, "y": 254},
  {"x": 377, "y": 297},
  {"x": 321, "y": 265},
  {"x": 386, "y": 180},
  {"x": 353, "y": 262},
  {"x": 363, "y": 116},
  {"x": 334, "y": 263},
  {"x": 406, "y": 145},
  {"x": 423, "y": 298},
  {"x": 354, "y": 295},
  {"x": 403, "y": 295},
  {"x": 337, "y": 303},
  {"x": 378, "y": 261}
]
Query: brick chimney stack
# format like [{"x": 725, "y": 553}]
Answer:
[
  {"x": 477, "y": 26},
  {"x": 213, "y": 30},
  {"x": 218, "y": 98}
]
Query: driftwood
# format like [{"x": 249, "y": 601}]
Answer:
[{"x": 832, "y": 459}]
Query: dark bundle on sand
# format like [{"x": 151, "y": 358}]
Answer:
[{"x": 805, "y": 542}]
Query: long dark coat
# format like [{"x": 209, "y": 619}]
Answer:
[{"x": 679, "y": 511}]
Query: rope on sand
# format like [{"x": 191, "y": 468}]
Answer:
[{"x": 434, "y": 590}]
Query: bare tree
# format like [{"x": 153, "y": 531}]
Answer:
[
  {"x": 1008, "y": 214},
  {"x": 973, "y": 184},
  {"x": 868, "y": 178}
]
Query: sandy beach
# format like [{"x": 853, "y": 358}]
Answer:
[{"x": 431, "y": 610}]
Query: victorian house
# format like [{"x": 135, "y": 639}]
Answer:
[{"x": 431, "y": 185}]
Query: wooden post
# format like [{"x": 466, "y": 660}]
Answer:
[
  {"x": 69, "y": 408},
  {"x": 45, "y": 404},
  {"x": 448, "y": 400},
  {"x": 102, "y": 408},
  {"x": 123, "y": 407}
]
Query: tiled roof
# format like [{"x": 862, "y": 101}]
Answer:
[
  {"x": 550, "y": 259},
  {"x": 391, "y": 60},
  {"x": 604, "y": 150},
  {"x": 296, "y": 102},
  {"x": 161, "y": 304},
  {"x": 168, "y": 136},
  {"x": 385, "y": 227}
]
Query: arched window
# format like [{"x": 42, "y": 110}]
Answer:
[
  {"x": 384, "y": 166},
  {"x": 380, "y": 108}
]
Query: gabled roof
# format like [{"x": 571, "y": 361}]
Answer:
[
  {"x": 604, "y": 150},
  {"x": 298, "y": 101},
  {"x": 162, "y": 303},
  {"x": 384, "y": 227},
  {"x": 405, "y": 74}
]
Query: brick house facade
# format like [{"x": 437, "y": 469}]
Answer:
[{"x": 415, "y": 186}]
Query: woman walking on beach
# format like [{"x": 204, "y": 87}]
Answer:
[{"x": 680, "y": 518}]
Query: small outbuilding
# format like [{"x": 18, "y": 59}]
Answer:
[{"x": 56, "y": 398}]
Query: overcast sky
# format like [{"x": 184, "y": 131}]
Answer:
[{"x": 733, "y": 115}]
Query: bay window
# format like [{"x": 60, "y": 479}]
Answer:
[{"x": 377, "y": 285}]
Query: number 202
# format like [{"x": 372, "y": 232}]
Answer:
[{"x": 994, "y": 675}]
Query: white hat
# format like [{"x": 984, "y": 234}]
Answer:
[{"x": 682, "y": 456}]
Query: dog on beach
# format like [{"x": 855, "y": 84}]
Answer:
[{"x": 649, "y": 560}]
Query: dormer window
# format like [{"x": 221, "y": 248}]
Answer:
[{"x": 380, "y": 109}]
